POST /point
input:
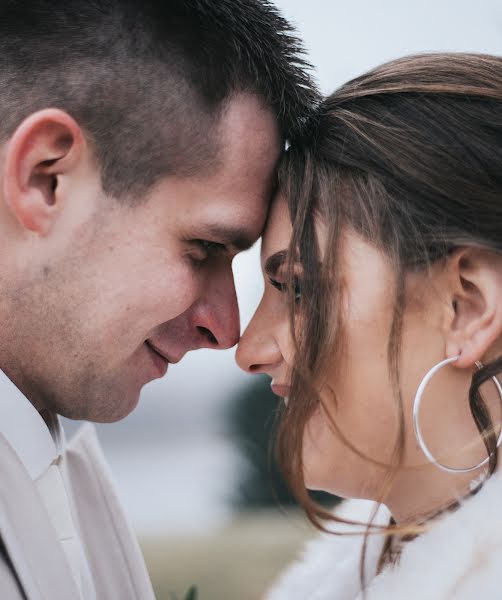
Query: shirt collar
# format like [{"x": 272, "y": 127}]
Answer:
[{"x": 37, "y": 442}]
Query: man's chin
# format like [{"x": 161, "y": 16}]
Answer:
[
  {"x": 111, "y": 411},
  {"x": 120, "y": 410}
]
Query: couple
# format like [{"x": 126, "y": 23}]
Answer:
[{"x": 141, "y": 144}]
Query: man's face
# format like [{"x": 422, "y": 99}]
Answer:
[{"x": 116, "y": 292}]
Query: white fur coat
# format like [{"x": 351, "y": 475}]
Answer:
[{"x": 459, "y": 558}]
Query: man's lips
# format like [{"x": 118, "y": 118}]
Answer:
[
  {"x": 159, "y": 359},
  {"x": 163, "y": 354},
  {"x": 280, "y": 389},
  {"x": 157, "y": 351}
]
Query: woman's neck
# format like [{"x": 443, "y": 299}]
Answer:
[{"x": 423, "y": 494}]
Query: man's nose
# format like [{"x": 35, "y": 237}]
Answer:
[{"x": 216, "y": 317}]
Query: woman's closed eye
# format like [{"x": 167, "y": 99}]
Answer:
[{"x": 283, "y": 287}]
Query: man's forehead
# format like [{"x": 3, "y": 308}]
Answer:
[{"x": 250, "y": 146}]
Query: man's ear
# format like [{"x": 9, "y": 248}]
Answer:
[
  {"x": 44, "y": 148},
  {"x": 476, "y": 300}
]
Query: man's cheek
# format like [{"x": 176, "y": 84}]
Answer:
[{"x": 177, "y": 292}]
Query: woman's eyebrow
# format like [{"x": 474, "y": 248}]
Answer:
[{"x": 275, "y": 262}]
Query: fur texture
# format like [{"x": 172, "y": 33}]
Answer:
[{"x": 459, "y": 558}]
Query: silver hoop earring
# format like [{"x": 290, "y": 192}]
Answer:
[{"x": 416, "y": 424}]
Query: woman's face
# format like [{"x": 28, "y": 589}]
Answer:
[{"x": 366, "y": 407}]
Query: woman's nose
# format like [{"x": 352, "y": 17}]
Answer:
[{"x": 258, "y": 350}]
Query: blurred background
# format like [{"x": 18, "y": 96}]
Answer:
[{"x": 191, "y": 462}]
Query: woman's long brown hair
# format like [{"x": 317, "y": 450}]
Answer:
[{"x": 410, "y": 157}]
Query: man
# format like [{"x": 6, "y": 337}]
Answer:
[{"x": 138, "y": 141}]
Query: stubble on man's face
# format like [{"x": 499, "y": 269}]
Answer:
[{"x": 130, "y": 275}]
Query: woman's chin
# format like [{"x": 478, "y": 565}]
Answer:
[
  {"x": 343, "y": 489},
  {"x": 319, "y": 484}
]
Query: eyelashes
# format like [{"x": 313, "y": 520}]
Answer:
[
  {"x": 206, "y": 250},
  {"x": 211, "y": 248},
  {"x": 282, "y": 287}
]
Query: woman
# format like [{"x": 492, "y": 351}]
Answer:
[{"x": 381, "y": 325}]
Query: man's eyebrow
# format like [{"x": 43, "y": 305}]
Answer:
[
  {"x": 275, "y": 262},
  {"x": 238, "y": 237}
]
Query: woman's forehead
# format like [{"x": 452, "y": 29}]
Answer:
[{"x": 278, "y": 230}]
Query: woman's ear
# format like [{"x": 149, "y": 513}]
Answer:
[
  {"x": 476, "y": 300},
  {"x": 44, "y": 148}
]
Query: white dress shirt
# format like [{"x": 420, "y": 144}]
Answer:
[{"x": 39, "y": 444}]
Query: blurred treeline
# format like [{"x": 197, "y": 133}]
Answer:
[{"x": 241, "y": 560}]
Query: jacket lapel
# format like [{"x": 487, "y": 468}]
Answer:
[
  {"x": 27, "y": 533},
  {"x": 115, "y": 559}
]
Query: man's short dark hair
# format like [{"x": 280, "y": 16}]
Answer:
[{"x": 147, "y": 79}]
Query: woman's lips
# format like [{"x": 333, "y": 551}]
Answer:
[{"x": 280, "y": 389}]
